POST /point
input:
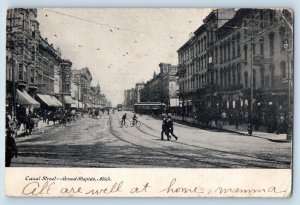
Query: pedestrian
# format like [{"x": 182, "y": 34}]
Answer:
[
  {"x": 11, "y": 149},
  {"x": 170, "y": 129},
  {"x": 163, "y": 129},
  {"x": 224, "y": 116},
  {"x": 123, "y": 119},
  {"x": 237, "y": 120},
  {"x": 134, "y": 118}
]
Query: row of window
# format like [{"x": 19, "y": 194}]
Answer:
[
  {"x": 197, "y": 48},
  {"x": 227, "y": 77}
]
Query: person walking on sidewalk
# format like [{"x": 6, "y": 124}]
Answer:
[
  {"x": 163, "y": 129},
  {"x": 170, "y": 129},
  {"x": 224, "y": 117},
  {"x": 11, "y": 149},
  {"x": 123, "y": 119}
]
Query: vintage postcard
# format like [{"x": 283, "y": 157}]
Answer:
[{"x": 149, "y": 102}]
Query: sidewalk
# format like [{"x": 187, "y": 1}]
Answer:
[
  {"x": 42, "y": 126},
  {"x": 242, "y": 129}
]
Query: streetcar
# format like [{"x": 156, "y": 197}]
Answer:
[
  {"x": 153, "y": 108},
  {"x": 119, "y": 107}
]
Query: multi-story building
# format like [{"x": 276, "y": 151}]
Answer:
[
  {"x": 81, "y": 87},
  {"x": 163, "y": 87},
  {"x": 31, "y": 61},
  {"x": 232, "y": 47},
  {"x": 65, "y": 84},
  {"x": 129, "y": 97},
  {"x": 137, "y": 92},
  {"x": 169, "y": 84},
  {"x": 95, "y": 96}
]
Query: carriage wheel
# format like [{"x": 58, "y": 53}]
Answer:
[{"x": 131, "y": 123}]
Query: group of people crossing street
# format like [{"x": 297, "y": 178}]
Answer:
[{"x": 167, "y": 128}]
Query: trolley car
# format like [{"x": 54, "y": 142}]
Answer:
[{"x": 153, "y": 108}]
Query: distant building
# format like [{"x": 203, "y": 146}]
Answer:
[
  {"x": 81, "y": 89},
  {"x": 129, "y": 97},
  {"x": 137, "y": 92},
  {"x": 163, "y": 87}
]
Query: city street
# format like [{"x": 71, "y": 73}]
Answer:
[{"x": 103, "y": 143}]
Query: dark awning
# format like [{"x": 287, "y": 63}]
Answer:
[
  {"x": 26, "y": 100},
  {"x": 68, "y": 100}
]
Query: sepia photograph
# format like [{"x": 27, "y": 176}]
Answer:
[
  {"x": 149, "y": 88},
  {"x": 149, "y": 102}
]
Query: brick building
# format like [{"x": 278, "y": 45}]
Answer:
[
  {"x": 163, "y": 87},
  {"x": 216, "y": 64},
  {"x": 31, "y": 63}
]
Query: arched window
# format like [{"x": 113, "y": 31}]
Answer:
[
  {"x": 205, "y": 62},
  {"x": 262, "y": 77},
  {"x": 261, "y": 46},
  {"x": 246, "y": 79},
  {"x": 233, "y": 47},
  {"x": 233, "y": 75},
  {"x": 272, "y": 74},
  {"x": 216, "y": 54},
  {"x": 229, "y": 76},
  {"x": 239, "y": 74},
  {"x": 221, "y": 78},
  {"x": 221, "y": 53},
  {"x": 225, "y": 77},
  {"x": 245, "y": 52},
  {"x": 238, "y": 42},
  {"x": 229, "y": 50},
  {"x": 271, "y": 39},
  {"x": 217, "y": 77},
  {"x": 283, "y": 69},
  {"x": 254, "y": 78},
  {"x": 224, "y": 48}
]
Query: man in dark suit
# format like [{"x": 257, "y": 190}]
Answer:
[
  {"x": 170, "y": 128},
  {"x": 164, "y": 129}
]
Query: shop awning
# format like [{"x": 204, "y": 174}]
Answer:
[
  {"x": 47, "y": 99},
  {"x": 88, "y": 105},
  {"x": 75, "y": 105},
  {"x": 59, "y": 104},
  {"x": 26, "y": 100},
  {"x": 68, "y": 100}
]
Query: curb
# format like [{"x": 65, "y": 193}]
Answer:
[{"x": 231, "y": 131}]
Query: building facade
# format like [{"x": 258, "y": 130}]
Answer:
[
  {"x": 129, "y": 97},
  {"x": 163, "y": 87},
  {"x": 232, "y": 47},
  {"x": 31, "y": 62},
  {"x": 81, "y": 87},
  {"x": 137, "y": 92}
]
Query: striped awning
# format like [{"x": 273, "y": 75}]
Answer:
[
  {"x": 56, "y": 101},
  {"x": 26, "y": 100},
  {"x": 68, "y": 100},
  {"x": 47, "y": 99}
]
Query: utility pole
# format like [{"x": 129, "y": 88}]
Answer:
[
  {"x": 250, "y": 125},
  {"x": 287, "y": 50},
  {"x": 62, "y": 86}
]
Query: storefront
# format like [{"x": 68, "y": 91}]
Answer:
[{"x": 25, "y": 102}]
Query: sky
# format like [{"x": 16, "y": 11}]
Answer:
[{"x": 121, "y": 47}]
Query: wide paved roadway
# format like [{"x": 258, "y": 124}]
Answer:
[{"x": 103, "y": 143}]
